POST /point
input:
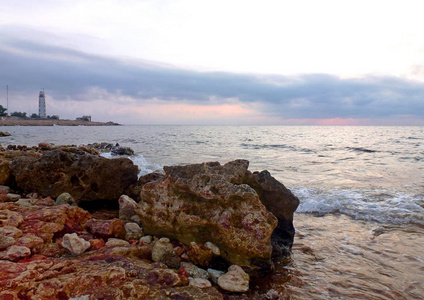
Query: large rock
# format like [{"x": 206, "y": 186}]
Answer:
[
  {"x": 85, "y": 176},
  {"x": 211, "y": 203},
  {"x": 282, "y": 203}
]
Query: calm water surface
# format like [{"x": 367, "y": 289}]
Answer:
[{"x": 360, "y": 224}]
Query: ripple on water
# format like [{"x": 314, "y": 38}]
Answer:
[{"x": 335, "y": 257}]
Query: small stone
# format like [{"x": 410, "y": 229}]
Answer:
[
  {"x": 136, "y": 219},
  {"x": 75, "y": 244},
  {"x": 161, "y": 247},
  {"x": 134, "y": 231},
  {"x": 126, "y": 207},
  {"x": 195, "y": 271},
  {"x": 13, "y": 197},
  {"x": 96, "y": 244},
  {"x": 83, "y": 297},
  {"x": 171, "y": 260},
  {"x": 116, "y": 243},
  {"x": 65, "y": 198},
  {"x": 24, "y": 202},
  {"x": 6, "y": 241},
  {"x": 199, "y": 282},
  {"x": 147, "y": 239},
  {"x": 214, "y": 248},
  {"x": 214, "y": 275},
  {"x": 45, "y": 146},
  {"x": 235, "y": 280},
  {"x": 11, "y": 232},
  {"x": 4, "y": 189},
  {"x": 15, "y": 253}
]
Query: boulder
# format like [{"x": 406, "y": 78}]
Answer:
[
  {"x": 282, "y": 203},
  {"x": 222, "y": 204},
  {"x": 85, "y": 176}
]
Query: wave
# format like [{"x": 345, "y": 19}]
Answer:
[
  {"x": 144, "y": 166},
  {"x": 377, "y": 206}
]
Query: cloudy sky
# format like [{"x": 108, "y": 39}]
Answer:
[{"x": 250, "y": 62}]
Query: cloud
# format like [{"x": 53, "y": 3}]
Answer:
[{"x": 71, "y": 75}]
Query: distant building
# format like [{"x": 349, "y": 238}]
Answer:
[{"x": 42, "y": 105}]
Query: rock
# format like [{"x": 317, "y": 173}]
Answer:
[
  {"x": 85, "y": 176},
  {"x": 161, "y": 247},
  {"x": 134, "y": 231},
  {"x": 126, "y": 207},
  {"x": 214, "y": 248},
  {"x": 282, "y": 203},
  {"x": 13, "y": 197},
  {"x": 4, "y": 133},
  {"x": 96, "y": 244},
  {"x": 6, "y": 241},
  {"x": 83, "y": 297},
  {"x": 199, "y": 282},
  {"x": 171, "y": 260},
  {"x": 112, "y": 242},
  {"x": 214, "y": 275},
  {"x": 107, "y": 228},
  {"x": 4, "y": 189},
  {"x": 65, "y": 198},
  {"x": 5, "y": 172},
  {"x": 199, "y": 254},
  {"x": 209, "y": 202},
  {"x": 15, "y": 253},
  {"x": 45, "y": 146},
  {"x": 24, "y": 202},
  {"x": 119, "y": 150},
  {"x": 147, "y": 239},
  {"x": 75, "y": 244},
  {"x": 235, "y": 280},
  {"x": 194, "y": 271}
]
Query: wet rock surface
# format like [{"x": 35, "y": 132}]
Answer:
[
  {"x": 222, "y": 204},
  {"x": 85, "y": 176},
  {"x": 175, "y": 240}
]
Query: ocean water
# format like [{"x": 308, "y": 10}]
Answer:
[{"x": 360, "y": 224}]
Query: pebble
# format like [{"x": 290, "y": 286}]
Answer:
[
  {"x": 161, "y": 247},
  {"x": 195, "y": 271},
  {"x": 146, "y": 239},
  {"x": 199, "y": 282},
  {"x": 214, "y": 275},
  {"x": 75, "y": 244},
  {"x": 235, "y": 280},
  {"x": 214, "y": 248}
]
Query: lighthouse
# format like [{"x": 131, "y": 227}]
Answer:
[{"x": 42, "y": 105}]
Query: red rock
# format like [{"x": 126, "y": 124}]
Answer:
[
  {"x": 208, "y": 202},
  {"x": 96, "y": 243},
  {"x": 107, "y": 228}
]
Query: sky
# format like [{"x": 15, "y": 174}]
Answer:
[{"x": 232, "y": 62}]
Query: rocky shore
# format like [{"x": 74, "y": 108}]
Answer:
[
  {"x": 75, "y": 225},
  {"x": 52, "y": 122}
]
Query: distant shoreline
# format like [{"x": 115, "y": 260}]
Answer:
[{"x": 52, "y": 122}]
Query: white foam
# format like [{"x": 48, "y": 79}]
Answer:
[
  {"x": 379, "y": 206},
  {"x": 144, "y": 166}
]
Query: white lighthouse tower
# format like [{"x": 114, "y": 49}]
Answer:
[{"x": 42, "y": 105}]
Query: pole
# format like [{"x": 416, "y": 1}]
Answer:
[{"x": 7, "y": 99}]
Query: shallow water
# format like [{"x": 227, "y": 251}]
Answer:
[
  {"x": 335, "y": 257},
  {"x": 360, "y": 224}
]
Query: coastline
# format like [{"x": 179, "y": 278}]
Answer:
[{"x": 52, "y": 122}]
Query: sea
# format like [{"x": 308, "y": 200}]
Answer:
[{"x": 360, "y": 222}]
